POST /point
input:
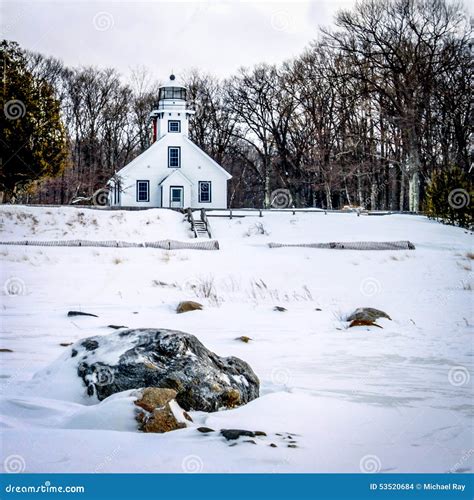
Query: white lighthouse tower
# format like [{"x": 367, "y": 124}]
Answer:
[
  {"x": 173, "y": 172},
  {"x": 171, "y": 113}
]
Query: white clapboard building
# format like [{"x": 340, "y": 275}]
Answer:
[{"x": 173, "y": 172}]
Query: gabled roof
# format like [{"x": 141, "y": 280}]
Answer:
[
  {"x": 156, "y": 144},
  {"x": 175, "y": 173},
  {"x": 197, "y": 148},
  {"x": 140, "y": 157}
]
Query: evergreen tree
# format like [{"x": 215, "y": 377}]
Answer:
[
  {"x": 448, "y": 197},
  {"x": 32, "y": 136}
]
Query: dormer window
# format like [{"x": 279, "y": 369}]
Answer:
[{"x": 174, "y": 126}]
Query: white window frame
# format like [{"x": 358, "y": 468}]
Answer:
[
  {"x": 147, "y": 184},
  {"x": 169, "y": 156},
  {"x": 210, "y": 191}
]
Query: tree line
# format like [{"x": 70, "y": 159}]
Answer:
[{"x": 371, "y": 114}]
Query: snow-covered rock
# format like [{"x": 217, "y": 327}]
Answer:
[{"x": 131, "y": 359}]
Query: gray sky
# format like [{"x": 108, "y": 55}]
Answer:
[{"x": 214, "y": 36}]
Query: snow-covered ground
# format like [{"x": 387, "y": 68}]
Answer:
[{"x": 396, "y": 399}]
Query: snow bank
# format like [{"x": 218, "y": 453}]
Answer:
[{"x": 62, "y": 223}]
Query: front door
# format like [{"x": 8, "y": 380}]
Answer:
[{"x": 176, "y": 197}]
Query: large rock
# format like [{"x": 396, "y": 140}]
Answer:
[
  {"x": 133, "y": 359},
  {"x": 367, "y": 314}
]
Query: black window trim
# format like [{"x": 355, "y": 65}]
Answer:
[
  {"x": 179, "y": 156},
  {"x": 147, "y": 191},
  {"x": 210, "y": 191},
  {"x": 174, "y": 131}
]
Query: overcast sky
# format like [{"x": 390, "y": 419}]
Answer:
[{"x": 214, "y": 36}]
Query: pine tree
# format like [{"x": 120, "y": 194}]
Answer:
[
  {"x": 448, "y": 197},
  {"x": 32, "y": 136}
]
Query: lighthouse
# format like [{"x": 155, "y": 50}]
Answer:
[
  {"x": 171, "y": 113},
  {"x": 173, "y": 172}
]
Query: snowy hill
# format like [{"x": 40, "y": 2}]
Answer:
[
  {"x": 394, "y": 399},
  {"x": 67, "y": 223}
]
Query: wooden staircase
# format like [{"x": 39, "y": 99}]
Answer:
[{"x": 199, "y": 227}]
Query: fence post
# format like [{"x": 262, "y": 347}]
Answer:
[
  {"x": 230, "y": 213},
  {"x": 260, "y": 214}
]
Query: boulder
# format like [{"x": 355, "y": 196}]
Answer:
[
  {"x": 188, "y": 305},
  {"x": 166, "y": 359},
  {"x": 160, "y": 412},
  {"x": 367, "y": 314}
]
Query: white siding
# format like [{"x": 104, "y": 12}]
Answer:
[{"x": 152, "y": 165}]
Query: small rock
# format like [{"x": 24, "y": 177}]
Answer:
[
  {"x": 188, "y": 305},
  {"x": 230, "y": 434},
  {"x": 231, "y": 398},
  {"x": 273, "y": 445},
  {"x": 318, "y": 309},
  {"x": 250, "y": 441},
  {"x": 116, "y": 327},
  {"x": 205, "y": 430},
  {"x": 161, "y": 420},
  {"x": 367, "y": 314},
  {"x": 244, "y": 338},
  {"x": 158, "y": 415},
  {"x": 280, "y": 309},
  {"x": 80, "y": 313},
  {"x": 65, "y": 344},
  {"x": 292, "y": 446},
  {"x": 153, "y": 397},
  {"x": 6, "y": 350},
  {"x": 187, "y": 416},
  {"x": 363, "y": 322},
  {"x": 233, "y": 444},
  {"x": 260, "y": 433}
]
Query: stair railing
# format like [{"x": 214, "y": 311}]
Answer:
[
  {"x": 206, "y": 222},
  {"x": 191, "y": 221}
]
